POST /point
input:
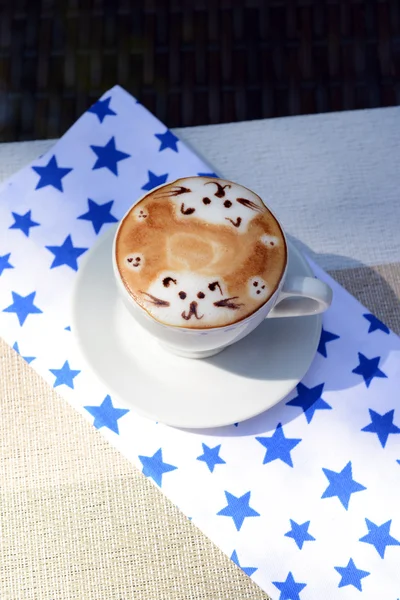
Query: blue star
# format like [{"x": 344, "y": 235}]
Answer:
[
  {"x": 28, "y": 359},
  {"x": 248, "y": 570},
  {"x": 289, "y": 589},
  {"x": 368, "y": 368},
  {"x": 211, "y": 457},
  {"x": 23, "y": 222},
  {"x": 64, "y": 376},
  {"x": 101, "y": 108},
  {"x": 168, "y": 140},
  {"x": 108, "y": 156},
  {"x": 51, "y": 174},
  {"x": 155, "y": 467},
  {"x": 278, "y": 446},
  {"x": 99, "y": 214},
  {"x": 207, "y": 175},
  {"x": 66, "y": 254},
  {"x": 23, "y": 306},
  {"x": 5, "y": 263},
  {"x": 351, "y": 575},
  {"x": 106, "y": 415},
  {"x": 326, "y": 336},
  {"x": 379, "y": 537},
  {"x": 309, "y": 399},
  {"x": 154, "y": 180},
  {"x": 300, "y": 533},
  {"x": 375, "y": 324},
  {"x": 382, "y": 425},
  {"x": 238, "y": 508},
  {"x": 68, "y": 328},
  {"x": 342, "y": 485}
]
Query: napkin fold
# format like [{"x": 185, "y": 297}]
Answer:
[{"x": 305, "y": 497}]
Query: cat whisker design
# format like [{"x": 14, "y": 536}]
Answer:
[
  {"x": 228, "y": 303},
  {"x": 174, "y": 192},
  {"x": 249, "y": 204},
  {"x": 154, "y": 300},
  {"x": 192, "y": 312}
]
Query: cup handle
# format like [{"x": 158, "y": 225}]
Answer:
[{"x": 301, "y": 296}]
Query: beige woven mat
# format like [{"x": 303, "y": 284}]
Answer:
[{"x": 79, "y": 522}]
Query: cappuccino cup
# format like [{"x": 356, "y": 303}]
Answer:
[{"x": 201, "y": 262}]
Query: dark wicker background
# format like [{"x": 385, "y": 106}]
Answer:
[{"x": 194, "y": 62}]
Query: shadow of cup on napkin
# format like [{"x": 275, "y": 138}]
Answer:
[{"x": 378, "y": 297}]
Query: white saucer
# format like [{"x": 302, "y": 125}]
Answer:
[{"x": 242, "y": 381}]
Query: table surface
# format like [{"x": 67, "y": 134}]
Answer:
[{"x": 78, "y": 520}]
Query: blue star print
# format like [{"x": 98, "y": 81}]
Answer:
[
  {"x": 379, "y": 537},
  {"x": 248, "y": 570},
  {"x": 66, "y": 254},
  {"x": 368, "y": 368},
  {"x": 28, "y": 359},
  {"x": 310, "y": 400},
  {"x": 23, "y": 222},
  {"x": 108, "y": 156},
  {"x": 64, "y": 376},
  {"x": 154, "y": 181},
  {"x": 300, "y": 533},
  {"x": 238, "y": 508},
  {"x": 342, "y": 485},
  {"x": 375, "y": 324},
  {"x": 382, "y": 425},
  {"x": 278, "y": 446},
  {"x": 99, "y": 214},
  {"x": 23, "y": 306},
  {"x": 106, "y": 415},
  {"x": 51, "y": 174},
  {"x": 211, "y": 456},
  {"x": 155, "y": 467},
  {"x": 5, "y": 263},
  {"x": 168, "y": 140},
  {"x": 289, "y": 589},
  {"x": 351, "y": 575},
  {"x": 326, "y": 337},
  {"x": 101, "y": 109}
]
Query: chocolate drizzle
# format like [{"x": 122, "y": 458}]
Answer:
[
  {"x": 180, "y": 190},
  {"x": 227, "y": 303},
  {"x": 212, "y": 286},
  {"x": 192, "y": 312},
  {"x": 220, "y": 193},
  {"x": 187, "y": 211},
  {"x": 249, "y": 204},
  {"x": 154, "y": 300},
  {"x": 234, "y": 223},
  {"x": 167, "y": 281}
]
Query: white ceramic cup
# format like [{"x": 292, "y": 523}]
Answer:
[{"x": 312, "y": 297}]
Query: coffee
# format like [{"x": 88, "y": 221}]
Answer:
[{"x": 200, "y": 253}]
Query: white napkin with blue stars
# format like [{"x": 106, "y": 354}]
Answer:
[{"x": 304, "y": 498}]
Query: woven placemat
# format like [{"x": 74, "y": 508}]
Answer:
[
  {"x": 79, "y": 522},
  {"x": 191, "y": 63}
]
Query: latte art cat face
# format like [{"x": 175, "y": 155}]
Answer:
[
  {"x": 214, "y": 201},
  {"x": 200, "y": 253}
]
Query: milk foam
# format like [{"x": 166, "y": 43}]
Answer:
[{"x": 200, "y": 253}]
